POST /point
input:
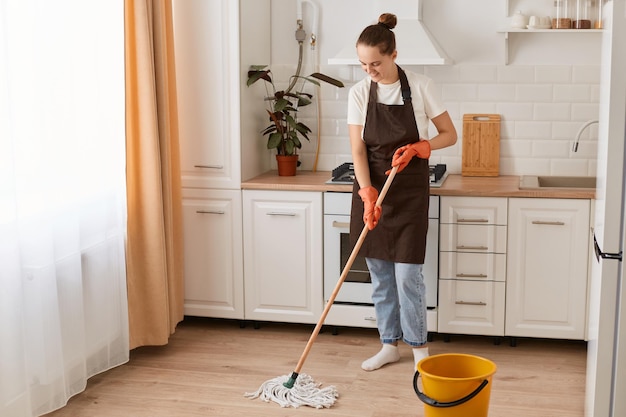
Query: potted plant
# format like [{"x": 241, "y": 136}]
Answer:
[{"x": 285, "y": 131}]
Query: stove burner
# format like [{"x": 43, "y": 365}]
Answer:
[{"x": 344, "y": 173}]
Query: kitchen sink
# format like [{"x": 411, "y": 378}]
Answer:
[{"x": 528, "y": 182}]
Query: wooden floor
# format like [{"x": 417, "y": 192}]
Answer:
[{"x": 209, "y": 364}]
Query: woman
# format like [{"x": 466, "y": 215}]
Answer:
[{"x": 388, "y": 116}]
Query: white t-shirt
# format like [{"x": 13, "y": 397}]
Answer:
[{"x": 425, "y": 100}]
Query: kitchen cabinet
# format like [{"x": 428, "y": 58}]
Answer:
[
  {"x": 472, "y": 265},
  {"x": 213, "y": 253},
  {"x": 206, "y": 40},
  {"x": 548, "y": 254},
  {"x": 283, "y": 255}
]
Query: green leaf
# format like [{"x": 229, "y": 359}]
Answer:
[
  {"x": 271, "y": 128},
  {"x": 327, "y": 79},
  {"x": 254, "y": 76},
  {"x": 296, "y": 140},
  {"x": 302, "y": 128},
  {"x": 291, "y": 122},
  {"x": 289, "y": 147},
  {"x": 303, "y": 101},
  {"x": 274, "y": 140},
  {"x": 281, "y": 104}
]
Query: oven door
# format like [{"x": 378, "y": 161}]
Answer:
[{"x": 357, "y": 287}]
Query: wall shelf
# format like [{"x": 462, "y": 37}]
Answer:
[{"x": 508, "y": 31}]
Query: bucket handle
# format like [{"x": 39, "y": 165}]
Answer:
[{"x": 434, "y": 403}]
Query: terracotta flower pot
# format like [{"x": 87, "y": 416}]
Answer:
[{"x": 287, "y": 165}]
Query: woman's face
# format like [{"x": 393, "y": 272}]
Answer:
[{"x": 381, "y": 68}]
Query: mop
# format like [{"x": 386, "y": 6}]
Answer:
[{"x": 298, "y": 389}]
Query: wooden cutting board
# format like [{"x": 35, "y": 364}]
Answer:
[{"x": 481, "y": 145}]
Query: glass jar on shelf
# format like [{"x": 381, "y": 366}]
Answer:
[
  {"x": 562, "y": 15},
  {"x": 597, "y": 14},
  {"x": 582, "y": 19}
]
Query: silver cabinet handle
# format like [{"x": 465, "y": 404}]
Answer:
[
  {"x": 341, "y": 225},
  {"x": 548, "y": 223},
  {"x": 209, "y": 166},
  {"x": 471, "y": 276},
  {"x": 471, "y": 303},
  {"x": 459, "y": 220},
  {"x": 210, "y": 211},
  {"x": 463, "y": 247},
  {"x": 369, "y": 318},
  {"x": 278, "y": 213}
]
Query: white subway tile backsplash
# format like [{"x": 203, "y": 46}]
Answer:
[
  {"x": 477, "y": 107},
  {"x": 586, "y": 74},
  {"x": 570, "y": 167},
  {"x": 552, "y": 111},
  {"x": 553, "y": 74},
  {"x": 459, "y": 92},
  {"x": 542, "y": 108},
  {"x": 517, "y": 74},
  {"x": 525, "y": 165},
  {"x": 533, "y": 93},
  {"x": 496, "y": 92},
  {"x": 585, "y": 111},
  {"x": 540, "y": 130},
  {"x": 551, "y": 149},
  {"x": 515, "y": 111},
  {"x": 479, "y": 73},
  {"x": 516, "y": 148},
  {"x": 444, "y": 74},
  {"x": 572, "y": 93}
]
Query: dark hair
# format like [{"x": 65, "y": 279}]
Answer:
[{"x": 380, "y": 34}]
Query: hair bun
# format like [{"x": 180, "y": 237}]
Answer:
[{"x": 389, "y": 20}]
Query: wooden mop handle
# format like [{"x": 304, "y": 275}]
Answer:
[{"x": 343, "y": 276}]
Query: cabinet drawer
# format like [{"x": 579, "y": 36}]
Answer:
[
  {"x": 474, "y": 210},
  {"x": 472, "y": 238},
  {"x": 472, "y": 266},
  {"x": 471, "y": 307}
]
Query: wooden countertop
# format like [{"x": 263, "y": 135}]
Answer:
[{"x": 454, "y": 185}]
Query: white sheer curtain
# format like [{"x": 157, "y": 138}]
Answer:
[{"x": 63, "y": 306}]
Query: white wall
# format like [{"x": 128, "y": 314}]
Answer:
[{"x": 549, "y": 88}]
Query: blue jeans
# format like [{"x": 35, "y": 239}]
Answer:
[{"x": 399, "y": 297}]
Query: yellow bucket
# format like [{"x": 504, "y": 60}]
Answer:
[{"x": 454, "y": 385}]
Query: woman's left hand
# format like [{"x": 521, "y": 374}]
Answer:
[{"x": 403, "y": 155}]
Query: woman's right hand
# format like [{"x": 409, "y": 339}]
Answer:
[{"x": 371, "y": 212}]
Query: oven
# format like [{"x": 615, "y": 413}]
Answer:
[{"x": 356, "y": 290}]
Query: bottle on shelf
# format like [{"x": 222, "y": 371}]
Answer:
[{"x": 562, "y": 18}]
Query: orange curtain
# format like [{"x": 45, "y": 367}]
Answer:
[{"x": 154, "y": 247}]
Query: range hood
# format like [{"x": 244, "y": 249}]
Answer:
[{"x": 415, "y": 45}]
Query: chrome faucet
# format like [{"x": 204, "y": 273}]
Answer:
[{"x": 580, "y": 132}]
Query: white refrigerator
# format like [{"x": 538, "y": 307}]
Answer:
[{"x": 606, "y": 357}]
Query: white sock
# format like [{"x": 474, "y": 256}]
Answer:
[
  {"x": 388, "y": 354},
  {"x": 419, "y": 354}
]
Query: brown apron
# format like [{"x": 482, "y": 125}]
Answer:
[{"x": 400, "y": 235}]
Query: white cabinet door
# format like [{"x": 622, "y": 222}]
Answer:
[
  {"x": 472, "y": 265},
  {"x": 206, "y": 41},
  {"x": 213, "y": 253},
  {"x": 471, "y": 307},
  {"x": 283, "y": 255},
  {"x": 548, "y": 251}
]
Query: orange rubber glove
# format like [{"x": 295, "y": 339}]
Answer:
[
  {"x": 371, "y": 213},
  {"x": 403, "y": 155}
]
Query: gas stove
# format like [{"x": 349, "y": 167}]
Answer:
[{"x": 344, "y": 174}]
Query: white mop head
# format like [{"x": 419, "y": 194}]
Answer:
[{"x": 304, "y": 392}]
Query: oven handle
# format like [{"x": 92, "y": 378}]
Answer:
[{"x": 340, "y": 225}]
